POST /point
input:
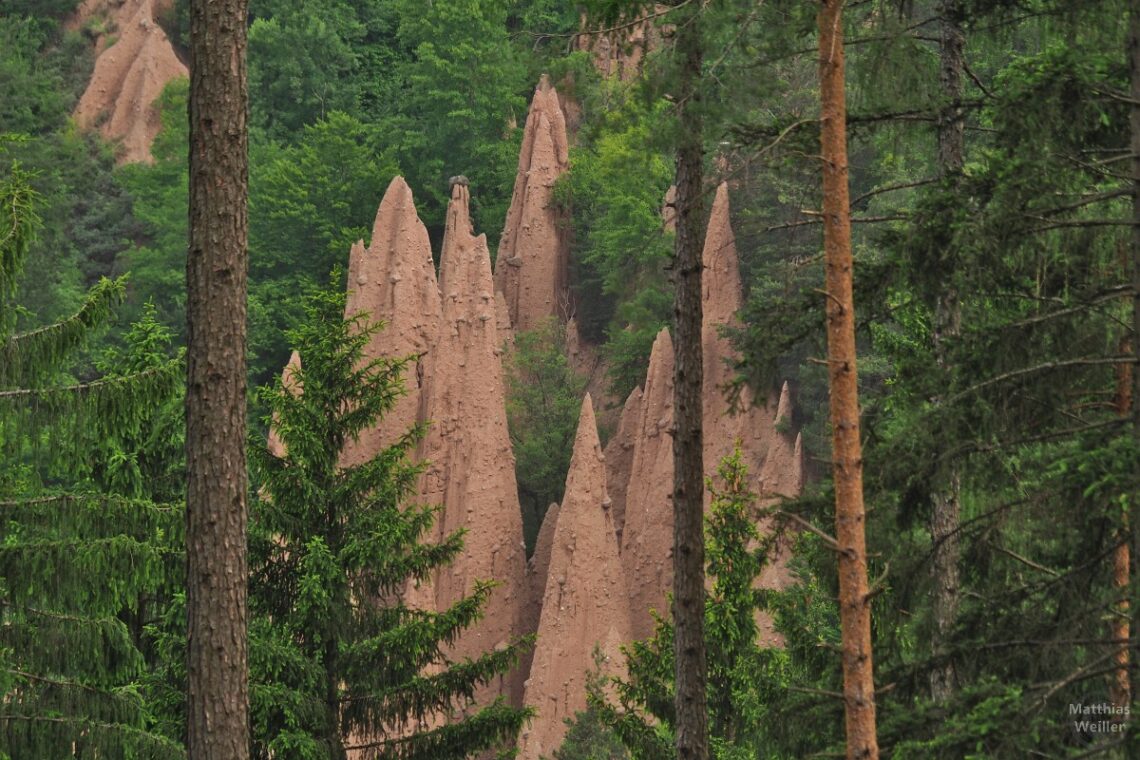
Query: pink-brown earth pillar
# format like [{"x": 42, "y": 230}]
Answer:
[
  {"x": 532, "y": 266},
  {"x": 619, "y": 457},
  {"x": 647, "y": 538},
  {"x": 290, "y": 381},
  {"x": 393, "y": 281},
  {"x": 765, "y": 437},
  {"x": 471, "y": 470},
  {"x": 585, "y": 608},
  {"x": 726, "y": 421},
  {"x": 135, "y": 61}
]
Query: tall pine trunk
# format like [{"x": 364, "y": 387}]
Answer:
[
  {"x": 1133, "y": 55},
  {"x": 945, "y": 516},
  {"x": 847, "y": 456},
  {"x": 688, "y": 464},
  {"x": 216, "y": 510}
]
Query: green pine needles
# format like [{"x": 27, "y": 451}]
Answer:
[
  {"x": 746, "y": 679},
  {"x": 76, "y": 559},
  {"x": 338, "y": 661}
]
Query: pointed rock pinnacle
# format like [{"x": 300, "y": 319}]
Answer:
[
  {"x": 393, "y": 281},
  {"x": 647, "y": 537},
  {"x": 471, "y": 469},
  {"x": 532, "y": 266},
  {"x": 585, "y": 606}
]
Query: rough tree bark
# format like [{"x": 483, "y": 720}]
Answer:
[
  {"x": 688, "y": 478},
  {"x": 847, "y": 456},
  {"x": 218, "y": 696},
  {"x": 1133, "y": 55},
  {"x": 945, "y": 517}
]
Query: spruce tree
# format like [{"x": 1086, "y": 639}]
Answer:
[
  {"x": 1014, "y": 401},
  {"x": 74, "y": 560},
  {"x": 745, "y": 678},
  {"x": 339, "y": 661}
]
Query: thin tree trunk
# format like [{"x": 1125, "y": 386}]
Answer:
[
  {"x": 1120, "y": 692},
  {"x": 847, "y": 456},
  {"x": 946, "y": 510},
  {"x": 218, "y": 696},
  {"x": 688, "y": 465}
]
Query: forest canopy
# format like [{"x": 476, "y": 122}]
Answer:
[{"x": 994, "y": 172}]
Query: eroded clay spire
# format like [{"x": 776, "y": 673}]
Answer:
[
  {"x": 647, "y": 538},
  {"x": 471, "y": 469},
  {"x": 532, "y": 266},
  {"x": 782, "y": 473},
  {"x": 290, "y": 381},
  {"x": 585, "y": 606},
  {"x": 619, "y": 457},
  {"x": 784, "y": 407},
  {"x": 727, "y": 419},
  {"x": 393, "y": 281},
  {"x": 131, "y": 70}
]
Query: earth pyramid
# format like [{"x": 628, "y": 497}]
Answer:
[
  {"x": 774, "y": 458},
  {"x": 135, "y": 61},
  {"x": 647, "y": 537},
  {"x": 585, "y": 606},
  {"x": 782, "y": 474},
  {"x": 393, "y": 281},
  {"x": 471, "y": 468},
  {"x": 291, "y": 381},
  {"x": 726, "y": 421},
  {"x": 532, "y": 267},
  {"x": 619, "y": 457},
  {"x": 538, "y": 567}
]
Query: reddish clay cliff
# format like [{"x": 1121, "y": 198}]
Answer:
[
  {"x": 585, "y": 607},
  {"x": 135, "y": 62},
  {"x": 531, "y": 269},
  {"x": 393, "y": 281}
]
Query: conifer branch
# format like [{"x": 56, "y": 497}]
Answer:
[
  {"x": 1043, "y": 367},
  {"x": 46, "y": 346}
]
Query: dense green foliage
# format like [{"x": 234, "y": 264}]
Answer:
[
  {"x": 1029, "y": 241},
  {"x": 543, "y": 400},
  {"x": 616, "y": 191},
  {"x": 80, "y": 550}
]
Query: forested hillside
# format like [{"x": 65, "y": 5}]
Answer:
[{"x": 462, "y": 517}]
